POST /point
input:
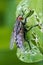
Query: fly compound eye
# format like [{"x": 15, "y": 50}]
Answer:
[{"x": 20, "y": 18}]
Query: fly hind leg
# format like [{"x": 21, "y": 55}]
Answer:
[{"x": 28, "y": 43}]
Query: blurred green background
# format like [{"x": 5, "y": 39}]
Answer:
[{"x": 7, "y": 19}]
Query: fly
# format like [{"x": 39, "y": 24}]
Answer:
[{"x": 20, "y": 30}]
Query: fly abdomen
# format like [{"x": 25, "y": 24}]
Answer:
[{"x": 20, "y": 39}]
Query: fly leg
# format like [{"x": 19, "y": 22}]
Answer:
[
  {"x": 32, "y": 27},
  {"x": 28, "y": 43},
  {"x": 28, "y": 15}
]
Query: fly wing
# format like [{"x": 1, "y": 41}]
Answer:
[
  {"x": 13, "y": 36},
  {"x": 12, "y": 40}
]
